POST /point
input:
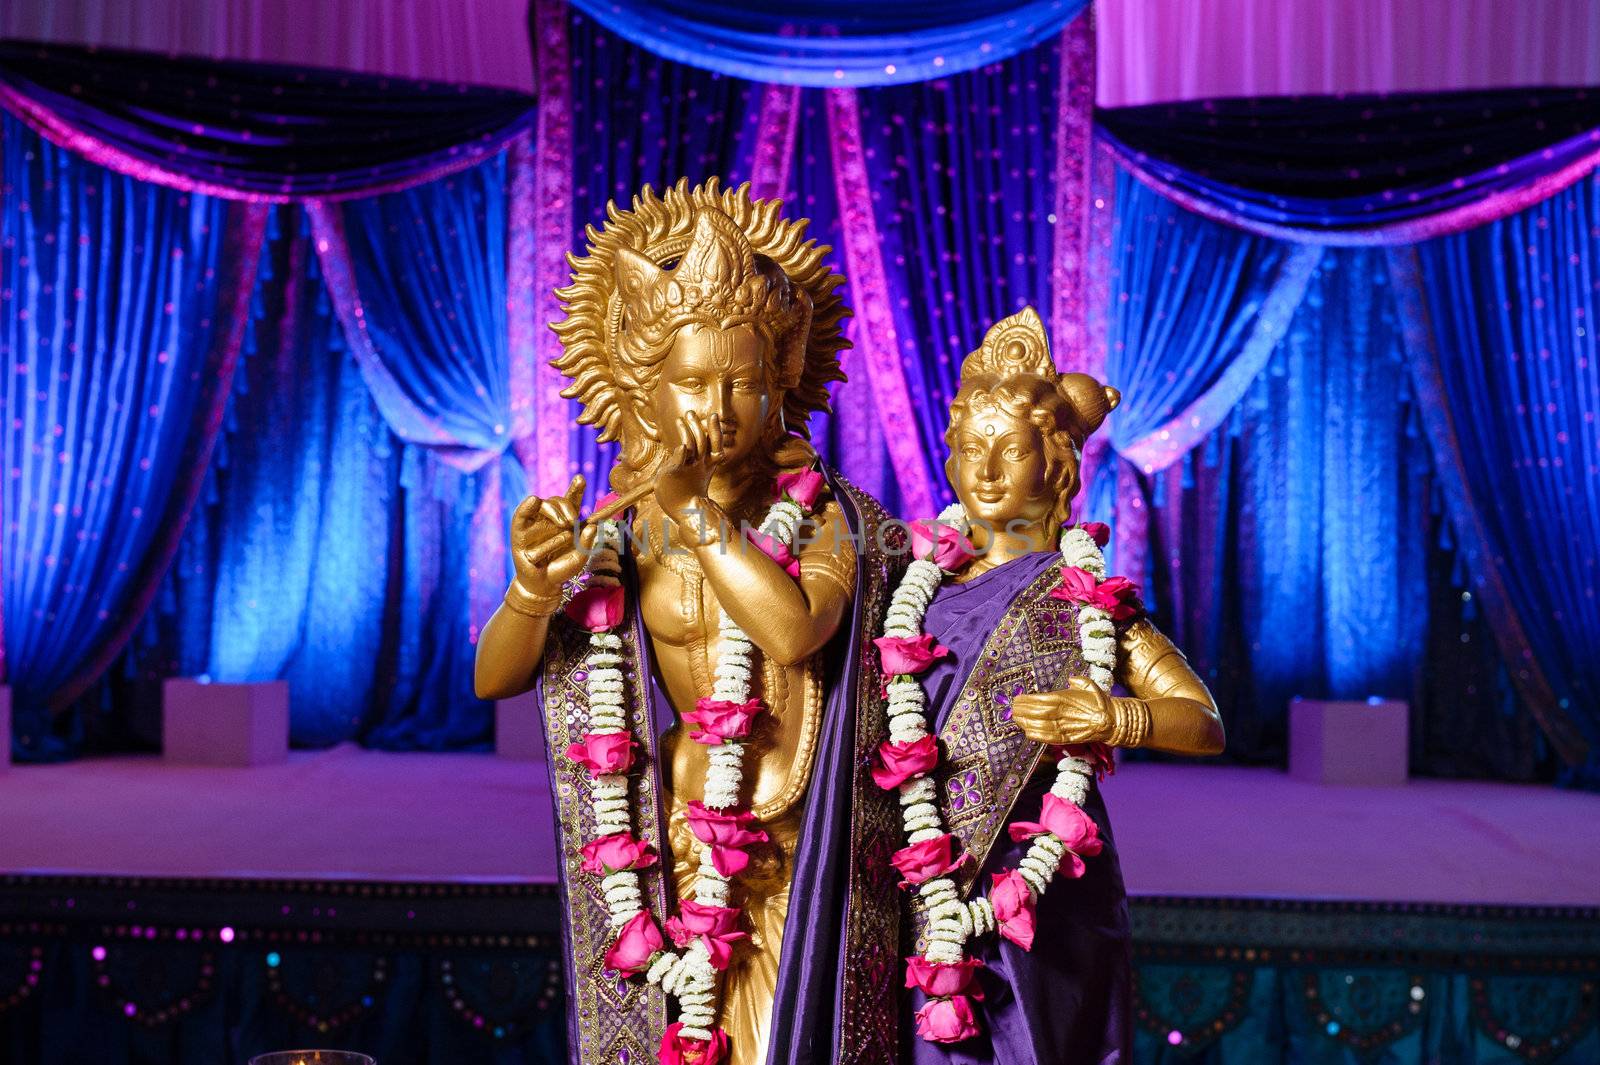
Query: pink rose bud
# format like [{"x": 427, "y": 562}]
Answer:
[
  {"x": 774, "y": 550},
  {"x": 1077, "y": 585},
  {"x": 606, "y": 500},
  {"x": 802, "y": 487},
  {"x": 679, "y": 1049},
  {"x": 947, "y": 1020},
  {"x": 941, "y": 979},
  {"x": 896, "y": 763},
  {"x": 1098, "y": 531},
  {"x": 611, "y": 752},
  {"x": 909, "y": 654},
  {"x": 720, "y": 720},
  {"x": 715, "y": 926},
  {"x": 943, "y": 544},
  {"x": 1067, "y": 822},
  {"x": 1117, "y": 596},
  {"x": 636, "y": 946},
  {"x": 596, "y": 608},
  {"x": 1013, "y": 902},
  {"x": 613, "y": 853},
  {"x": 928, "y": 859},
  {"x": 726, "y": 833}
]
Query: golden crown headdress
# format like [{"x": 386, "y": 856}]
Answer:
[
  {"x": 705, "y": 255},
  {"x": 1018, "y": 345}
]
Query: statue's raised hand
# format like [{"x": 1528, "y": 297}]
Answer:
[
  {"x": 550, "y": 544},
  {"x": 1082, "y": 713},
  {"x": 681, "y": 486}
]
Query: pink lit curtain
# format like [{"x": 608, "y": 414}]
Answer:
[
  {"x": 1161, "y": 50},
  {"x": 484, "y": 42}
]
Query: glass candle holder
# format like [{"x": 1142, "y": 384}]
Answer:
[{"x": 312, "y": 1057}]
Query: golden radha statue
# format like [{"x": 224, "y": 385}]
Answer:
[
  {"x": 1035, "y": 634},
  {"x": 1016, "y": 435},
  {"x": 702, "y": 330}
]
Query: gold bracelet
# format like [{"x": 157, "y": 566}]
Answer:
[
  {"x": 532, "y": 604},
  {"x": 1130, "y": 722}
]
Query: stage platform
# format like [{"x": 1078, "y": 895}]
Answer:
[
  {"x": 350, "y": 814},
  {"x": 403, "y": 905}
]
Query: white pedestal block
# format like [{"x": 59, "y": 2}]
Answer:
[
  {"x": 224, "y": 724},
  {"x": 1363, "y": 743},
  {"x": 5, "y": 727},
  {"x": 518, "y": 730}
]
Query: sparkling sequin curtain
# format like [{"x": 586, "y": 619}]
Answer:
[
  {"x": 119, "y": 311},
  {"x": 1514, "y": 369},
  {"x": 963, "y": 189},
  {"x": 1289, "y": 551},
  {"x": 328, "y": 552},
  {"x": 254, "y": 131}
]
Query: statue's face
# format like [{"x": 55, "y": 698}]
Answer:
[
  {"x": 717, "y": 374},
  {"x": 999, "y": 470}
]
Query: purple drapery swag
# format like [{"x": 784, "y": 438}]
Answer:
[
  {"x": 251, "y": 131},
  {"x": 1361, "y": 169},
  {"x": 835, "y": 43}
]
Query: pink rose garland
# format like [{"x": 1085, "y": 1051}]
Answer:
[
  {"x": 1062, "y": 837},
  {"x": 607, "y": 752}
]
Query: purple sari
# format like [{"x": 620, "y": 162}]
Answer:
[{"x": 1069, "y": 999}]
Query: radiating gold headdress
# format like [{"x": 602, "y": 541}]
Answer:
[{"x": 697, "y": 256}]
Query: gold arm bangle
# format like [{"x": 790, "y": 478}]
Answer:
[
  {"x": 531, "y": 604},
  {"x": 1130, "y": 722}
]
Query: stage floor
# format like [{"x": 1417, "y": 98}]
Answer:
[{"x": 1182, "y": 830}]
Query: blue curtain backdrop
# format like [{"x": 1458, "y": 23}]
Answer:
[
  {"x": 334, "y": 544},
  {"x": 1514, "y": 307},
  {"x": 429, "y": 267},
  {"x": 115, "y": 332},
  {"x": 1196, "y": 310},
  {"x": 1299, "y": 547},
  {"x": 1301, "y": 550},
  {"x": 327, "y": 551}
]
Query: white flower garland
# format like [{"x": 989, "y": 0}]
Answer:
[
  {"x": 950, "y": 921},
  {"x": 688, "y": 975}
]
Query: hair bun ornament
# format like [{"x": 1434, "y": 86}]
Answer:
[{"x": 1091, "y": 401}]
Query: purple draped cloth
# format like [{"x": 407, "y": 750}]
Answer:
[
  {"x": 1360, "y": 169},
  {"x": 254, "y": 131},
  {"x": 1069, "y": 998},
  {"x": 835, "y": 998}
]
